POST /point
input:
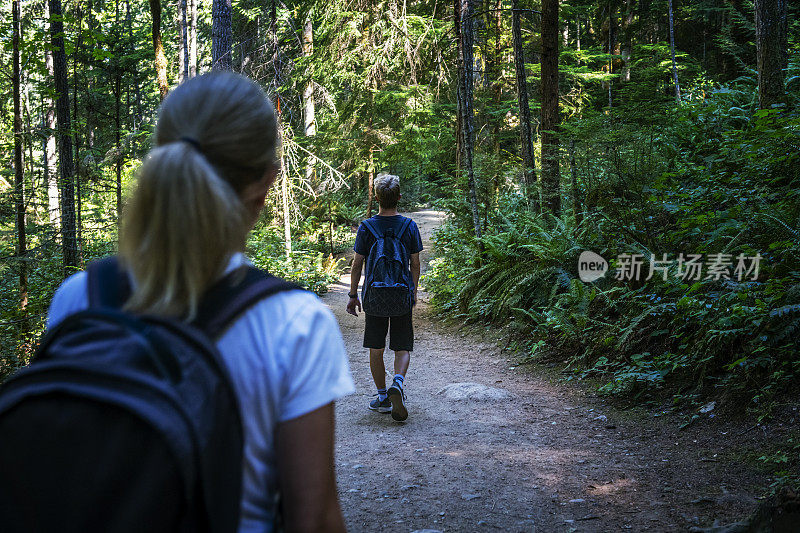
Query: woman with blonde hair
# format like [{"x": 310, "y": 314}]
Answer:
[{"x": 200, "y": 191}]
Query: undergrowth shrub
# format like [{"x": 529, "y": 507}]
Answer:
[{"x": 715, "y": 176}]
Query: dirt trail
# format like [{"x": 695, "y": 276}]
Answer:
[{"x": 548, "y": 458}]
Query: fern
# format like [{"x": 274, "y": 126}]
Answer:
[
  {"x": 785, "y": 310},
  {"x": 636, "y": 321}
]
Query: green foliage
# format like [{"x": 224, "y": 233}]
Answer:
[
  {"x": 713, "y": 176},
  {"x": 313, "y": 270}
]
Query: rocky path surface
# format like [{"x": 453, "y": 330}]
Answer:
[{"x": 490, "y": 446}]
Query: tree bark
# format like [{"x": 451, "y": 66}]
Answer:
[
  {"x": 49, "y": 148},
  {"x": 466, "y": 65},
  {"x": 627, "y": 40},
  {"x": 287, "y": 222},
  {"x": 68, "y": 234},
  {"x": 612, "y": 37},
  {"x": 78, "y": 204},
  {"x": 371, "y": 181},
  {"x": 192, "y": 40},
  {"x": 118, "y": 98},
  {"x": 183, "y": 42},
  {"x": 221, "y": 35},
  {"x": 309, "y": 110},
  {"x": 672, "y": 50},
  {"x": 19, "y": 176},
  {"x": 551, "y": 176},
  {"x": 525, "y": 133},
  {"x": 771, "y": 50},
  {"x": 459, "y": 75},
  {"x": 495, "y": 74},
  {"x": 576, "y": 202},
  {"x": 158, "y": 47}
]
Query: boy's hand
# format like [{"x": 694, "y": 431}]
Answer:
[{"x": 352, "y": 305}]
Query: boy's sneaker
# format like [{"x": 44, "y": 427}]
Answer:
[
  {"x": 384, "y": 406},
  {"x": 397, "y": 398}
]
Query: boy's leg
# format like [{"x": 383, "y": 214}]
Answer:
[
  {"x": 401, "y": 340},
  {"x": 377, "y": 367},
  {"x": 375, "y": 329},
  {"x": 401, "y": 360}
]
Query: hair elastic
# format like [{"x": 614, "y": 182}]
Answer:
[{"x": 194, "y": 142}]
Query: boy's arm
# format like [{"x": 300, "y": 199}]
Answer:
[
  {"x": 415, "y": 272},
  {"x": 355, "y": 277}
]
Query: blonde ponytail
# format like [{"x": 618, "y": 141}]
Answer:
[{"x": 216, "y": 134}]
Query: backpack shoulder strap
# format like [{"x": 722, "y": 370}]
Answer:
[
  {"x": 231, "y": 296},
  {"x": 108, "y": 285},
  {"x": 403, "y": 227},
  {"x": 370, "y": 225}
]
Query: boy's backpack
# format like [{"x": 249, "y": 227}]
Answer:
[
  {"x": 388, "y": 289},
  {"x": 127, "y": 423}
]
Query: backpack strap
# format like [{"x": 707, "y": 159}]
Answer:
[
  {"x": 369, "y": 224},
  {"x": 109, "y": 286},
  {"x": 403, "y": 227},
  {"x": 231, "y": 296}
]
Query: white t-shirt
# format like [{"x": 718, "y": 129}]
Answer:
[{"x": 286, "y": 358}]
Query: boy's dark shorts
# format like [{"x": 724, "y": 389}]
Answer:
[{"x": 401, "y": 332}]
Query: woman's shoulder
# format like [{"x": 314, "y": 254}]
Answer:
[
  {"x": 292, "y": 309},
  {"x": 71, "y": 296}
]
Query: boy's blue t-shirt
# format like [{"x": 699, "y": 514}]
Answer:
[{"x": 411, "y": 239}]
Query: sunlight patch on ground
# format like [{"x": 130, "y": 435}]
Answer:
[{"x": 612, "y": 487}]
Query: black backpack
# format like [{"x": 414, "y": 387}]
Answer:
[
  {"x": 387, "y": 287},
  {"x": 126, "y": 423}
]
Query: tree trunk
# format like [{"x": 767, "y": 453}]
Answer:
[
  {"x": 183, "y": 42},
  {"x": 28, "y": 125},
  {"x": 371, "y": 181},
  {"x": 612, "y": 36},
  {"x": 525, "y": 133},
  {"x": 49, "y": 148},
  {"x": 19, "y": 176},
  {"x": 466, "y": 65},
  {"x": 494, "y": 74},
  {"x": 221, "y": 35},
  {"x": 576, "y": 202},
  {"x": 287, "y": 222},
  {"x": 192, "y": 38},
  {"x": 459, "y": 116},
  {"x": 68, "y": 234},
  {"x": 672, "y": 49},
  {"x": 771, "y": 50},
  {"x": 309, "y": 111},
  {"x": 158, "y": 47},
  {"x": 627, "y": 40},
  {"x": 76, "y": 55},
  {"x": 551, "y": 176},
  {"x": 118, "y": 103}
]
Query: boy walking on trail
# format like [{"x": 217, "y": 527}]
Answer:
[{"x": 390, "y": 243}]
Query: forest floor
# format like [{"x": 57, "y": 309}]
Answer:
[{"x": 523, "y": 452}]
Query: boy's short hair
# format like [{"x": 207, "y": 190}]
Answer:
[{"x": 387, "y": 189}]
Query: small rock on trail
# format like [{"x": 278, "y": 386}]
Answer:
[{"x": 474, "y": 391}]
